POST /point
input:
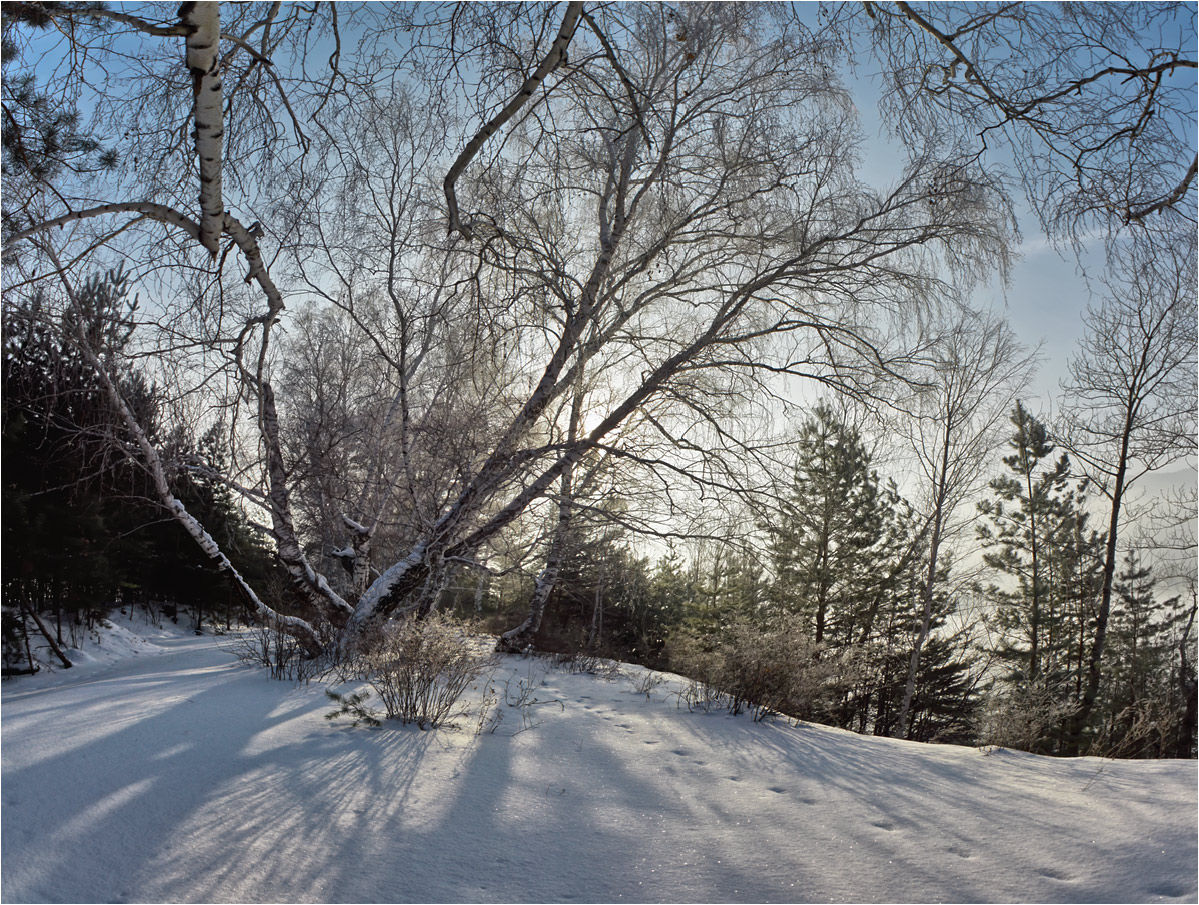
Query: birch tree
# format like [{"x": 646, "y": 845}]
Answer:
[
  {"x": 671, "y": 198},
  {"x": 978, "y": 368},
  {"x": 1131, "y": 402},
  {"x": 1097, "y": 104}
]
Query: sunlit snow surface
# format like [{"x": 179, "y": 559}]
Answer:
[{"x": 182, "y": 776}]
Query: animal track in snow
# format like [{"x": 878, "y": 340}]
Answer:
[
  {"x": 1168, "y": 890},
  {"x": 1053, "y": 873}
]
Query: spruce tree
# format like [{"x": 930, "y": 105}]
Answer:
[
  {"x": 1021, "y": 519},
  {"x": 1139, "y": 711},
  {"x": 833, "y": 534}
]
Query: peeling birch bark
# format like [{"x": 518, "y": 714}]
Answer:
[{"x": 202, "y": 22}]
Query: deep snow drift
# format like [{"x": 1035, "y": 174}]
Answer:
[{"x": 179, "y": 775}]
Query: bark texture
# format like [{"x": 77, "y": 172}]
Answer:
[{"x": 202, "y": 22}]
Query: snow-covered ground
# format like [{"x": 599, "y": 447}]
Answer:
[
  {"x": 126, "y": 633},
  {"x": 180, "y": 775}
]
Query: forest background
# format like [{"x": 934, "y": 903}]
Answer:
[{"x": 607, "y": 327}]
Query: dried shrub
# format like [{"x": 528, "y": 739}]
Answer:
[
  {"x": 521, "y": 695},
  {"x": 588, "y": 664},
  {"x": 273, "y": 649},
  {"x": 646, "y": 682},
  {"x": 1144, "y": 729},
  {"x": 420, "y": 669},
  {"x": 759, "y": 669},
  {"x": 1028, "y": 718}
]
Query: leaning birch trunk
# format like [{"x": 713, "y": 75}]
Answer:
[
  {"x": 551, "y": 61},
  {"x": 297, "y": 628},
  {"x": 49, "y": 636},
  {"x": 203, "y": 23},
  {"x": 311, "y": 584},
  {"x": 520, "y": 638}
]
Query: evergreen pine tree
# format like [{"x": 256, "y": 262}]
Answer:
[
  {"x": 1138, "y": 712},
  {"x": 834, "y": 534},
  {"x": 1022, "y": 518}
]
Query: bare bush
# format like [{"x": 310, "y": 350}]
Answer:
[
  {"x": 524, "y": 691},
  {"x": 646, "y": 683},
  {"x": 1143, "y": 729},
  {"x": 755, "y": 669},
  {"x": 699, "y": 695},
  {"x": 271, "y": 648},
  {"x": 1027, "y": 720},
  {"x": 520, "y": 693},
  {"x": 421, "y": 668},
  {"x": 588, "y": 664}
]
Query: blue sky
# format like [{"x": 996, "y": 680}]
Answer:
[{"x": 1047, "y": 291}]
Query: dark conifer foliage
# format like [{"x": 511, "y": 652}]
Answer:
[
  {"x": 42, "y": 134},
  {"x": 80, "y": 532},
  {"x": 835, "y": 535},
  {"x": 1031, "y": 529}
]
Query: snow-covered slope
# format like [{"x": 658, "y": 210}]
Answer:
[
  {"x": 125, "y": 634},
  {"x": 187, "y": 777}
]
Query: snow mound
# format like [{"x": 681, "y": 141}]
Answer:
[
  {"x": 92, "y": 650},
  {"x": 107, "y": 643},
  {"x": 189, "y": 777}
]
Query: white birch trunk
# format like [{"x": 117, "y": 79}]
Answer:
[
  {"x": 311, "y": 583},
  {"x": 398, "y": 578},
  {"x": 203, "y": 24},
  {"x": 361, "y": 545},
  {"x": 551, "y": 61},
  {"x": 519, "y": 638},
  {"x": 297, "y": 628}
]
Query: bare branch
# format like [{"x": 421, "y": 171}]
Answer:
[{"x": 548, "y": 64}]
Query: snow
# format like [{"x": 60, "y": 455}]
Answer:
[
  {"x": 181, "y": 775},
  {"x": 124, "y": 634}
]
